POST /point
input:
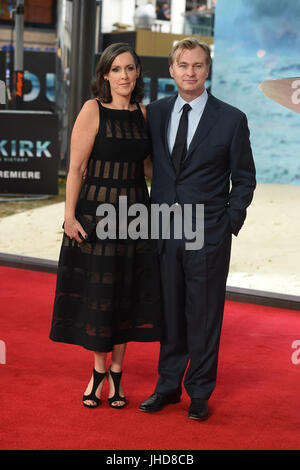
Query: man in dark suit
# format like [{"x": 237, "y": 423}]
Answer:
[{"x": 201, "y": 155}]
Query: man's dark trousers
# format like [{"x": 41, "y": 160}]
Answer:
[{"x": 194, "y": 284}]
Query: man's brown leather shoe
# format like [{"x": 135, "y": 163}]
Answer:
[
  {"x": 198, "y": 409},
  {"x": 157, "y": 401}
]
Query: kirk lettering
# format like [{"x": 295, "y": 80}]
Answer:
[{"x": 24, "y": 148}]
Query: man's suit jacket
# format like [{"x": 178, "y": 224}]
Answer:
[{"x": 218, "y": 170}]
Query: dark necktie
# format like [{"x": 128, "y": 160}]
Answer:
[{"x": 180, "y": 149}]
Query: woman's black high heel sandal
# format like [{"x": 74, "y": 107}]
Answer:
[
  {"x": 116, "y": 377},
  {"x": 97, "y": 379}
]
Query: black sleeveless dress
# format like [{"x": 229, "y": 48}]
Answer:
[{"x": 108, "y": 290}]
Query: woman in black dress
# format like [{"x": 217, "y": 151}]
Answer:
[{"x": 108, "y": 290}]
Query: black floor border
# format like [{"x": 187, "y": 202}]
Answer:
[{"x": 238, "y": 294}]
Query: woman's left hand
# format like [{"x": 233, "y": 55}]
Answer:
[{"x": 148, "y": 166}]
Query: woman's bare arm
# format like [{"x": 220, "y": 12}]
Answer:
[{"x": 82, "y": 141}]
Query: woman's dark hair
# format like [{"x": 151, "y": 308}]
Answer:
[{"x": 101, "y": 87}]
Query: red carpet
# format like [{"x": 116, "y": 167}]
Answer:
[{"x": 255, "y": 404}]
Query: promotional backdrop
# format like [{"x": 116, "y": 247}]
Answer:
[
  {"x": 256, "y": 41},
  {"x": 28, "y": 152},
  {"x": 39, "y": 78}
]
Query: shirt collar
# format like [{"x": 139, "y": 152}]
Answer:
[{"x": 197, "y": 104}]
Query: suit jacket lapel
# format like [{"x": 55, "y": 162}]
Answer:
[
  {"x": 207, "y": 121},
  {"x": 166, "y": 117}
]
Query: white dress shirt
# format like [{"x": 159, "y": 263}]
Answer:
[{"x": 194, "y": 117}]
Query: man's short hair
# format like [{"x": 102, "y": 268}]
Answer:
[{"x": 190, "y": 43}]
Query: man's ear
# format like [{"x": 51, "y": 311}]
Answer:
[{"x": 171, "y": 70}]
